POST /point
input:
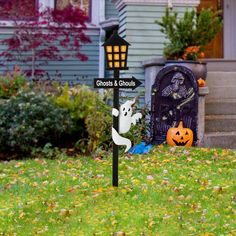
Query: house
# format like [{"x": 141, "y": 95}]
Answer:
[{"x": 135, "y": 21}]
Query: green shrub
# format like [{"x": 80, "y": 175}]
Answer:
[
  {"x": 190, "y": 30},
  {"x": 91, "y": 115},
  {"x": 47, "y": 151},
  {"x": 31, "y": 120},
  {"x": 140, "y": 132},
  {"x": 11, "y": 83}
]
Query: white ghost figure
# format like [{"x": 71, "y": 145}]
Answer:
[{"x": 125, "y": 120}]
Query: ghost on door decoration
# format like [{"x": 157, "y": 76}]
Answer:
[{"x": 126, "y": 119}]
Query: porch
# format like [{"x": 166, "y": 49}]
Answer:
[
  {"x": 217, "y": 114},
  {"x": 220, "y": 107}
]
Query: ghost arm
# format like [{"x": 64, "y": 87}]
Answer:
[
  {"x": 115, "y": 112},
  {"x": 135, "y": 118}
]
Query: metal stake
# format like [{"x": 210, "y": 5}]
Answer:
[{"x": 116, "y": 127}]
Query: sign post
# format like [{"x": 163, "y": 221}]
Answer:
[
  {"x": 126, "y": 83},
  {"x": 115, "y": 160},
  {"x": 116, "y": 51}
]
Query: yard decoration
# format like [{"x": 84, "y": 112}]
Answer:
[
  {"x": 180, "y": 136},
  {"x": 201, "y": 82},
  {"x": 125, "y": 120},
  {"x": 116, "y": 52},
  {"x": 141, "y": 148},
  {"x": 174, "y": 99}
]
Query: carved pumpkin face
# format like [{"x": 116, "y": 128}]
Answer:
[{"x": 179, "y": 136}]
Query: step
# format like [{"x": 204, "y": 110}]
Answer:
[
  {"x": 220, "y": 140},
  {"x": 223, "y": 92},
  {"x": 221, "y": 78},
  {"x": 220, "y": 123},
  {"x": 220, "y": 65},
  {"x": 220, "y": 107}
]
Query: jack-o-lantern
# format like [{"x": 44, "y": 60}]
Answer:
[
  {"x": 179, "y": 136},
  {"x": 201, "y": 82}
]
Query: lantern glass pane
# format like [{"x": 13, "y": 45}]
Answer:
[
  {"x": 116, "y": 57},
  {"x": 110, "y": 64},
  {"x": 116, "y": 64},
  {"x": 116, "y": 49},
  {"x": 109, "y": 57},
  {"x": 122, "y": 64},
  {"x": 123, "y": 55},
  {"x": 123, "y": 48},
  {"x": 109, "y": 49}
]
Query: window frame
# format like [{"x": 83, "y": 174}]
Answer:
[{"x": 89, "y": 10}]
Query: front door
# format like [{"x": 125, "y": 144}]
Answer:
[
  {"x": 229, "y": 29},
  {"x": 215, "y": 48}
]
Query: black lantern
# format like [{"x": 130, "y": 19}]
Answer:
[{"x": 116, "y": 50}]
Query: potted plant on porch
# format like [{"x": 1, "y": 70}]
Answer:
[{"x": 188, "y": 36}]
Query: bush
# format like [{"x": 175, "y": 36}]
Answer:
[
  {"x": 91, "y": 115},
  {"x": 190, "y": 31},
  {"x": 140, "y": 132},
  {"x": 31, "y": 120},
  {"x": 11, "y": 83}
]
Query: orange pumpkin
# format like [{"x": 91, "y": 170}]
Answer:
[
  {"x": 201, "y": 82},
  {"x": 179, "y": 136}
]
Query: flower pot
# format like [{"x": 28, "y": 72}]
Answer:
[{"x": 198, "y": 68}]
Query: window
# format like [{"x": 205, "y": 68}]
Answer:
[
  {"x": 17, "y": 9},
  {"x": 84, "y": 5}
]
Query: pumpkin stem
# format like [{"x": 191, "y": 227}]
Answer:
[{"x": 181, "y": 124}]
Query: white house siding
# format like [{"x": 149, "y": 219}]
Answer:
[
  {"x": 110, "y": 10},
  {"x": 138, "y": 28}
]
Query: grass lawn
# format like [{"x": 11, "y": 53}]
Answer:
[{"x": 171, "y": 191}]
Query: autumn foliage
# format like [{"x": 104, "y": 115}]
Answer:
[
  {"x": 49, "y": 34},
  {"x": 193, "y": 53}
]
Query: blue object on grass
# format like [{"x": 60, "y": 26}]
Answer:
[{"x": 141, "y": 148}]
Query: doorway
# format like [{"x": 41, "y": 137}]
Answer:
[
  {"x": 215, "y": 48},
  {"x": 229, "y": 29}
]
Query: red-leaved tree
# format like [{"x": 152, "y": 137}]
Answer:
[{"x": 48, "y": 34}]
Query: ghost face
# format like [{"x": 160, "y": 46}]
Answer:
[{"x": 125, "y": 110}]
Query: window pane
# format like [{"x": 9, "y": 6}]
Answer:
[
  {"x": 109, "y": 56},
  {"x": 117, "y": 64},
  {"x": 18, "y": 9},
  {"x": 116, "y": 48},
  {"x": 117, "y": 56},
  {"x": 82, "y": 4}
]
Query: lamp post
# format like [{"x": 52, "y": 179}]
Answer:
[{"x": 116, "y": 51}]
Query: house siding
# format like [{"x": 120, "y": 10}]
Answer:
[
  {"x": 136, "y": 25},
  {"x": 138, "y": 28},
  {"x": 71, "y": 69},
  {"x": 110, "y": 10}
]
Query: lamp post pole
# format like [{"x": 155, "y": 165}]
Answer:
[
  {"x": 116, "y": 127},
  {"x": 116, "y": 51}
]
